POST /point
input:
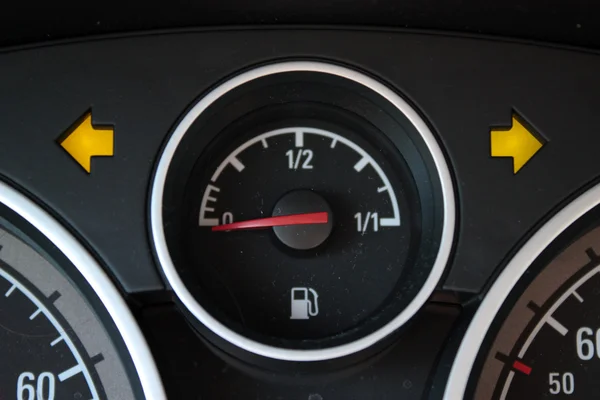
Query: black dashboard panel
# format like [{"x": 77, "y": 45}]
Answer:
[
  {"x": 403, "y": 369},
  {"x": 142, "y": 85},
  {"x": 567, "y": 22}
]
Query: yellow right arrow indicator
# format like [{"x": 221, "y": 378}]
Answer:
[{"x": 517, "y": 142}]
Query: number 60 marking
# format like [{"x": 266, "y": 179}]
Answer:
[{"x": 44, "y": 389}]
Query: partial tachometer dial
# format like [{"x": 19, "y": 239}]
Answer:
[
  {"x": 302, "y": 211},
  {"x": 558, "y": 316},
  {"x": 41, "y": 355},
  {"x": 545, "y": 340},
  {"x": 64, "y": 331}
]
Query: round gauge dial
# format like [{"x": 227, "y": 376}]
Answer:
[
  {"x": 545, "y": 339},
  {"x": 342, "y": 267},
  {"x": 300, "y": 214},
  {"x": 554, "y": 351},
  {"x": 39, "y": 355},
  {"x": 57, "y": 339}
]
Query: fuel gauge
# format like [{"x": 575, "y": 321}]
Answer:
[
  {"x": 298, "y": 207},
  {"x": 302, "y": 211}
]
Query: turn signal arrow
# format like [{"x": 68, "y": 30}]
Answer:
[
  {"x": 84, "y": 141},
  {"x": 517, "y": 142}
]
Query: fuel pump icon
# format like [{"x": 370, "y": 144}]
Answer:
[{"x": 304, "y": 303}]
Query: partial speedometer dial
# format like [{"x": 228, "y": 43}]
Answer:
[
  {"x": 64, "y": 331},
  {"x": 558, "y": 317},
  {"x": 39, "y": 354},
  {"x": 545, "y": 340},
  {"x": 302, "y": 211}
]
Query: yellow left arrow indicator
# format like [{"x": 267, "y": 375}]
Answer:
[{"x": 84, "y": 141}]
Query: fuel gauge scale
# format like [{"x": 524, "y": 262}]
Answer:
[
  {"x": 286, "y": 210},
  {"x": 302, "y": 211}
]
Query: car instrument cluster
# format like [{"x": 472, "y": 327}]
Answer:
[{"x": 299, "y": 214}]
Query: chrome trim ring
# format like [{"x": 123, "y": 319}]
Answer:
[
  {"x": 217, "y": 327},
  {"x": 99, "y": 282},
  {"x": 500, "y": 290}
]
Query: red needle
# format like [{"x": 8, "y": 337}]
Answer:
[{"x": 283, "y": 220}]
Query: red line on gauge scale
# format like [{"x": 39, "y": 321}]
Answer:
[
  {"x": 269, "y": 222},
  {"x": 519, "y": 366}
]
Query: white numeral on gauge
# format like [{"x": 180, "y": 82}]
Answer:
[
  {"x": 299, "y": 159},
  {"x": 367, "y": 221},
  {"x": 561, "y": 383},
  {"x": 44, "y": 389},
  {"x": 588, "y": 343},
  {"x": 227, "y": 218}
]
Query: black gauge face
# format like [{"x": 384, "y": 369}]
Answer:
[
  {"x": 301, "y": 211},
  {"x": 548, "y": 346},
  {"x": 300, "y": 281},
  {"x": 52, "y": 344}
]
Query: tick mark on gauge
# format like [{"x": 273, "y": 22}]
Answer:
[
  {"x": 71, "y": 372},
  {"x": 516, "y": 365},
  {"x": 237, "y": 164},
  {"x": 97, "y": 358},
  {"x": 577, "y": 296},
  {"x": 591, "y": 254},
  {"x": 299, "y": 138},
  {"x": 264, "y": 143},
  {"x": 382, "y": 189},
  {"x": 333, "y": 143},
  {"x": 519, "y": 366},
  {"x": 560, "y": 328},
  {"x": 35, "y": 314},
  {"x": 359, "y": 166},
  {"x": 56, "y": 341},
  {"x": 10, "y": 290},
  {"x": 550, "y": 320},
  {"x": 54, "y": 296},
  {"x": 503, "y": 358},
  {"x": 533, "y": 307}
]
